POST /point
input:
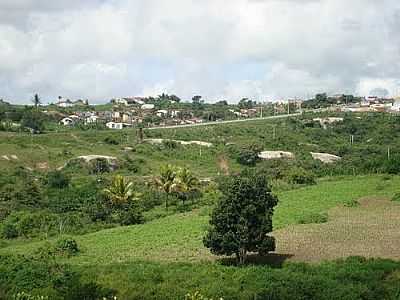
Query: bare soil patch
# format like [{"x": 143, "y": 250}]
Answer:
[{"x": 370, "y": 230}]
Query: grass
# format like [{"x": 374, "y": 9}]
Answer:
[{"x": 178, "y": 238}]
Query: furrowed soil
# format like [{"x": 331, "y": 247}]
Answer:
[{"x": 372, "y": 230}]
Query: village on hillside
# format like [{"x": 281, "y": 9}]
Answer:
[{"x": 168, "y": 110}]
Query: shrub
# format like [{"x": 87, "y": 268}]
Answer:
[
  {"x": 111, "y": 140},
  {"x": 133, "y": 165},
  {"x": 67, "y": 246},
  {"x": 9, "y": 231},
  {"x": 131, "y": 215},
  {"x": 351, "y": 203},
  {"x": 314, "y": 218},
  {"x": 396, "y": 197},
  {"x": 301, "y": 176},
  {"x": 249, "y": 156},
  {"x": 57, "y": 179},
  {"x": 4, "y": 213},
  {"x": 169, "y": 144},
  {"x": 98, "y": 166},
  {"x": 90, "y": 290}
]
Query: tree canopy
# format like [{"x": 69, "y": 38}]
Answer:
[{"x": 242, "y": 219}]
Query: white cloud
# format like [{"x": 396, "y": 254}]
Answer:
[{"x": 219, "y": 49}]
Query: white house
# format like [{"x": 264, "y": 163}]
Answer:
[
  {"x": 148, "y": 106},
  {"x": 396, "y": 106},
  {"x": 162, "y": 113},
  {"x": 113, "y": 125},
  {"x": 91, "y": 119},
  {"x": 175, "y": 113},
  {"x": 67, "y": 122},
  {"x": 65, "y": 103}
]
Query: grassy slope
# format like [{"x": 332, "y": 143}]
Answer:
[{"x": 179, "y": 237}]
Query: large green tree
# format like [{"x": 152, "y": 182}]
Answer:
[{"x": 242, "y": 218}]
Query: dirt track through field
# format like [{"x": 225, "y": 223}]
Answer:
[{"x": 371, "y": 230}]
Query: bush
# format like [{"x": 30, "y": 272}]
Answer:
[
  {"x": 111, "y": 141},
  {"x": 314, "y": 218},
  {"x": 300, "y": 176},
  {"x": 169, "y": 144},
  {"x": 99, "y": 166},
  {"x": 133, "y": 165},
  {"x": 67, "y": 246},
  {"x": 249, "y": 156},
  {"x": 58, "y": 179},
  {"x": 131, "y": 215},
  {"x": 9, "y": 231},
  {"x": 351, "y": 203},
  {"x": 396, "y": 197},
  {"x": 90, "y": 290}
]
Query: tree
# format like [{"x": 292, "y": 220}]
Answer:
[
  {"x": 120, "y": 192},
  {"x": 185, "y": 184},
  {"x": 246, "y": 103},
  {"x": 165, "y": 181},
  {"x": 196, "y": 99},
  {"x": 321, "y": 97},
  {"x": 222, "y": 103},
  {"x": 57, "y": 179},
  {"x": 242, "y": 219},
  {"x": 249, "y": 156},
  {"x": 36, "y": 100},
  {"x": 33, "y": 121}
]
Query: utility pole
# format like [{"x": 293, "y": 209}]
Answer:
[
  {"x": 261, "y": 112},
  {"x": 352, "y": 139},
  {"x": 388, "y": 153},
  {"x": 274, "y": 133}
]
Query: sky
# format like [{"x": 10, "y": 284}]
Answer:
[{"x": 262, "y": 49}]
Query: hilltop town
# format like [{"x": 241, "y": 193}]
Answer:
[{"x": 170, "y": 110}]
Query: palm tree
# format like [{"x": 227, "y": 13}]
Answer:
[
  {"x": 120, "y": 191},
  {"x": 185, "y": 183},
  {"x": 165, "y": 181}
]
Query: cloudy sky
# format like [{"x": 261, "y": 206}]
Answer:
[{"x": 264, "y": 49}]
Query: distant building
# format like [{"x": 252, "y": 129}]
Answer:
[
  {"x": 91, "y": 119},
  {"x": 113, "y": 125},
  {"x": 67, "y": 122},
  {"x": 162, "y": 113},
  {"x": 148, "y": 106},
  {"x": 129, "y": 101},
  {"x": 68, "y": 103},
  {"x": 64, "y": 103}
]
